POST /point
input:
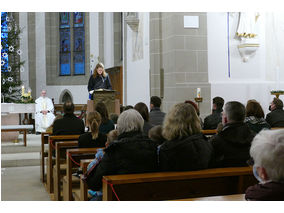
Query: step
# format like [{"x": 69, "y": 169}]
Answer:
[{"x": 20, "y": 159}]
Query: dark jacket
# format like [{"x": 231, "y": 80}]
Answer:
[
  {"x": 156, "y": 116},
  {"x": 231, "y": 146},
  {"x": 68, "y": 125},
  {"x": 212, "y": 121},
  {"x": 190, "y": 153},
  {"x": 99, "y": 82},
  {"x": 271, "y": 191},
  {"x": 131, "y": 153},
  {"x": 146, "y": 127},
  {"x": 275, "y": 118},
  {"x": 86, "y": 141},
  {"x": 106, "y": 127},
  {"x": 256, "y": 124}
]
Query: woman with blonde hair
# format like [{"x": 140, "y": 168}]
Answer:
[
  {"x": 99, "y": 80},
  {"x": 185, "y": 148},
  {"x": 93, "y": 138}
]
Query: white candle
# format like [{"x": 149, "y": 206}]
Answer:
[
  {"x": 23, "y": 90},
  {"x": 198, "y": 95}
]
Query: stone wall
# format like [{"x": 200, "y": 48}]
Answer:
[{"x": 178, "y": 60}]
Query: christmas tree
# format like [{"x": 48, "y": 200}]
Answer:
[{"x": 11, "y": 66}]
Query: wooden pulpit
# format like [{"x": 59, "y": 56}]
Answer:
[{"x": 105, "y": 96}]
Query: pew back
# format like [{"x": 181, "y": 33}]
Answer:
[{"x": 177, "y": 185}]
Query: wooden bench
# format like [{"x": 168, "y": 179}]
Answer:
[
  {"x": 81, "y": 194},
  {"x": 234, "y": 197},
  {"x": 43, "y": 155},
  {"x": 59, "y": 169},
  {"x": 209, "y": 131},
  {"x": 177, "y": 185},
  {"x": 51, "y": 147},
  {"x": 77, "y": 155},
  {"x": 22, "y": 128}
]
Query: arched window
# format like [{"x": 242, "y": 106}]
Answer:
[{"x": 72, "y": 43}]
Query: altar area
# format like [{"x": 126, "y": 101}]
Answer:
[{"x": 10, "y": 115}]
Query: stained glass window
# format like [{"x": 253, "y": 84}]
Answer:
[
  {"x": 65, "y": 55},
  {"x": 72, "y": 48},
  {"x": 79, "y": 44},
  {"x": 4, "y": 45}
]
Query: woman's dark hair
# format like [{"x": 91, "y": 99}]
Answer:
[
  {"x": 68, "y": 107},
  {"x": 101, "y": 108},
  {"x": 143, "y": 110},
  {"x": 253, "y": 108},
  {"x": 194, "y": 105}
]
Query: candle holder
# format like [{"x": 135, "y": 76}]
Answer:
[
  {"x": 198, "y": 100},
  {"x": 277, "y": 93}
]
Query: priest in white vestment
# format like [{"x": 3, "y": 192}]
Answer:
[{"x": 44, "y": 112}]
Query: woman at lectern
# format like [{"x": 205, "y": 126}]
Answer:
[{"x": 99, "y": 80}]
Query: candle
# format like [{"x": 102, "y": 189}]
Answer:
[
  {"x": 29, "y": 93},
  {"x": 23, "y": 90},
  {"x": 198, "y": 95}
]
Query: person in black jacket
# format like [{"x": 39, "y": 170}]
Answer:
[
  {"x": 156, "y": 116},
  {"x": 231, "y": 145},
  {"x": 132, "y": 152},
  {"x": 69, "y": 124},
  {"x": 186, "y": 147},
  {"x": 267, "y": 151},
  {"x": 255, "y": 116},
  {"x": 212, "y": 121},
  {"x": 276, "y": 117},
  {"x": 98, "y": 80},
  {"x": 93, "y": 138},
  {"x": 143, "y": 110}
]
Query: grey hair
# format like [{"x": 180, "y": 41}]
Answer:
[
  {"x": 130, "y": 120},
  {"x": 235, "y": 111},
  {"x": 267, "y": 150}
]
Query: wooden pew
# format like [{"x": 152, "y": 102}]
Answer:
[
  {"x": 82, "y": 193},
  {"x": 43, "y": 155},
  {"x": 51, "y": 146},
  {"x": 274, "y": 128},
  {"x": 234, "y": 197},
  {"x": 209, "y": 131},
  {"x": 178, "y": 185},
  {"x": 59, "y": 169},
  {"x": 77, "y": 155}
]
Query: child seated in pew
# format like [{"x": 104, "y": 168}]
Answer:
[
  {"x": 93, "y": 138},
  {"x": 111, "y": 137},
  {"x": 155, "y": 134}
]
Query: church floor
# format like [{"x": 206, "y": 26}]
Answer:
[{"x": 22, "y": 184}]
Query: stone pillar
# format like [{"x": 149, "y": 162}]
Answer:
[{"x": 178, "y": 59}]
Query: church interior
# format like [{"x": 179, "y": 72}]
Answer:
[{"x": 178, "y": 57}]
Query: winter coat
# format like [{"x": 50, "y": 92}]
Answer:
[
  {"x": 212, "y": 121},
  {"x": 190, "y": 153},
  {"x": 256, "y": 124},
  {"x": 156, "y": 116},
  {"x": 131, "y": 153},
  {"x": 270, "y": 191},
  {"x": 231, "y": 145},
  {"x": 86, "y": 141},
  {"x": 275, "y": 118}
]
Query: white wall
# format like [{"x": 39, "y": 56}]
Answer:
[
  {"x": 108, "y": 40},
  {"x": 79, "y": 93},
  {"x": 23, "y": 22},
  {"x": 248, "y": 80},
  {"x": 94, "y": 39},
  {"x": 137, "y": 80},
  {"x": 40, "y": 52}
]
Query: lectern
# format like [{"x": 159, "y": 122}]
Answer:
[{"x": 105, "y": 96}]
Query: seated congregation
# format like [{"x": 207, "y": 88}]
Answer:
[{"x": 140, "y": 141}]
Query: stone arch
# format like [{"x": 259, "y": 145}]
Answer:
[{"x": 65, "y": 95}]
